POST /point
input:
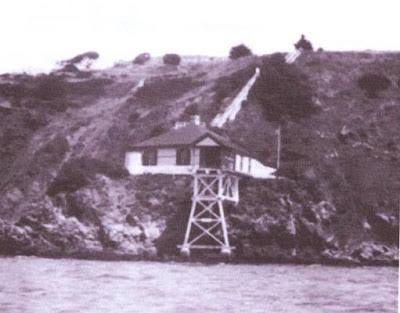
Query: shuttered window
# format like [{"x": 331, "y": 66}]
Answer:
[
  {"x": 149, "y": 157},
  {"x": 183, "y": 156}
]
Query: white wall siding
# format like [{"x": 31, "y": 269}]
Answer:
[
  {"x": 209, "y": 142},
  {"x": 259, "y": 170},
  {"x": 166, "y": 157},
  {"x": 195, "y": 156},
  {"x": 238, "y": 161},
  {"x": 253, "y": 167},
  {"x": 168, "y": 169},
  {"x": 245, "y": 165},
  {"x": 167, "y": 164},
  {"x": 133, "y": 162}
]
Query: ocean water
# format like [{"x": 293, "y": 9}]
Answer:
[{"x": 38, "y": 285}]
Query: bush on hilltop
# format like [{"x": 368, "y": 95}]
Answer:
[
  {"x": 171, "y": 59},
  {"x": 239, "y": 52},
  {"x": 142, "y": 58},
  {"x": 303, "y": 44}
]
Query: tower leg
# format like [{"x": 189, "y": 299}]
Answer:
[
  {"x": 185, "y": 248},
  {"x": 226, "y": 248},
  {"x": 206, "y": 227}
]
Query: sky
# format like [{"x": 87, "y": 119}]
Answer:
[{"x": 37, "y": 33}]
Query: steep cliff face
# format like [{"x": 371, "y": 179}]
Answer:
[{"x": 64, "y": 191}]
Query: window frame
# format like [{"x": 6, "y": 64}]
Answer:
[
  {"x": 183, "y": 159},
  {"x": 149, "y": 157}
]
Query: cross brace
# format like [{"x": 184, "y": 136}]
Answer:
[{"x": 206, "y": 228}]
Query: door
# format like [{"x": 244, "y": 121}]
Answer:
[{"x": 210, "y": 157}]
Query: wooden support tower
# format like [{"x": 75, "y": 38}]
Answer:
[{"x": 206, "y": 228}]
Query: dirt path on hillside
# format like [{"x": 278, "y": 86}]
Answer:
[{"x": 72, "y": 124}]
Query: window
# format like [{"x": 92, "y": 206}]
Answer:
[
  {"x": 183, "y": 156},
  {"x": 149, "y": 157}
]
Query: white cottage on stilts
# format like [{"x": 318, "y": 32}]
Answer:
[
  {"x": 216, "y": 164},
  {"x": 189, "y": 147}
]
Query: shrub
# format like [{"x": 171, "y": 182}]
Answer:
[
  {"x": 373, "y": 83},
  {"x": 191, "y": 110},
  {"x": 239, "y": 52},
  {"x": 172, "y": 59},
  {"x": 92, "y": 55},
  {"x": 59, "y": 105},
  {"x": 227, "y": 85},
  {"x": 133, "y": 117},
  {"x": 77, "y": 173},
  {"x": 303, "y": 44},
  {"x": 94, "y": 86},
  {"x": 43, "y": 87},
  {"x": 164, "y": 88},
  {"x": 70, "y": 68},
  {"x": 157, "y": 130},
  {"x": 36, "y": 121},
  {"x": 142, "y": 58},
  {"x": 14, "y": 90},
  {"x": 282, "y": 90},
  {"x": 49, "y": 156},
  {"x": 83, "y": 74},
  {"x": 53, "y": 152},
  {"x": 49, "y": 87}
]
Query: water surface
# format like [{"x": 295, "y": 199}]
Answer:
[{"x": 36, "y": 285}]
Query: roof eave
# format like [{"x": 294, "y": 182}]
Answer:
[{"x": 141, "y": 147}]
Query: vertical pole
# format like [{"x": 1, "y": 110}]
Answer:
[
  {"x": 195, "y": 186},
  {"x": 278, "y": 152},
  {"x": 226, "y": 249},
  {"x": 208, "y": 191},
  {"x": 220, "y": 192},
  {"x": 185, "y": 250},
  {"x": 293, "y": 232},
  {"x": 236, "y": 189}
]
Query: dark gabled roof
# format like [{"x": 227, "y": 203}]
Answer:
[{"x": 185, "y": 136}]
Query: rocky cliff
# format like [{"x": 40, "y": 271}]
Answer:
[{"x": 64, "y": 191}]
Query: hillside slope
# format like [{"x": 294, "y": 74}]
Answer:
[{"x": 63, "y": 137}]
